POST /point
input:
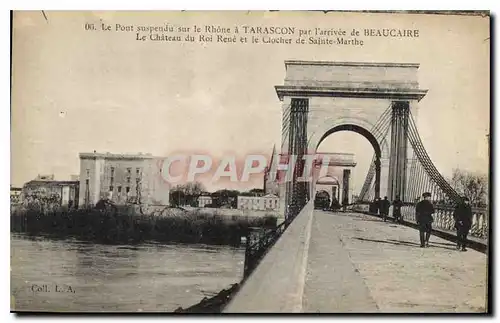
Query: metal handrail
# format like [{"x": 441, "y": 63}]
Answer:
[{"x": 257, "y": 248}]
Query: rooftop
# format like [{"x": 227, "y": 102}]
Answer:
[
  {"x": 50, "y": 182},
  {"x": 116, "y": 156}
]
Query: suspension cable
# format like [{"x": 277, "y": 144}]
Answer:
[{"x": 427, "y": 163}]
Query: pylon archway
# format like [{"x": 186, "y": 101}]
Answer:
[
  {"x": 369, "y": 136},
  {"x": 329, "y": 184}
]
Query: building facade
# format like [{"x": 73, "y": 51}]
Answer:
[
  {"x": 268, "y": 202},
  {"x": 55, "y": 193},
  {"x": 122, "y": 178},
  {"x": 204, "y": 200}
]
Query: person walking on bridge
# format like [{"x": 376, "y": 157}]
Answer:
[
  {"x": 396, "y": 211},
  {"x": 376, "y": 206},
  {"x": 345, "y": 203},
  {"x": 424, "y": 211},
  {"x": 335, "y": 204},
  {"x": 463, "y": 222},
  {"x": 384, "y": 208}
]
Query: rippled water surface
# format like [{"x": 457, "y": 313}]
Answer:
[{"x": 49, "y": 275}]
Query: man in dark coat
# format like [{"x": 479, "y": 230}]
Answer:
[
  {"x": 396, "y": 211},
  {"x": 384, "y": 208},
  {"x": 423, "y": 212},
  {"x": 335, "y": 204},
  {"x": 377, "y": 205},
  {"x": 327, "y": 204},
  {"x": 463, "y": 222},
  {"x": 345, "y": 203},
  {"x": 371, "y": 207}
]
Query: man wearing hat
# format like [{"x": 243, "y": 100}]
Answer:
[
  {"x": 424, "y": 211},
  {"x": 384, "y": 208},
  {"x": 463, "y": 222},
  {"x": 396, "y": 211}
]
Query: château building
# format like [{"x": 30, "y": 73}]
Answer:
[{"x": 122, "y": 178}]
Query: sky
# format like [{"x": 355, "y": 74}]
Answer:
[{"x": 78, "y": 91}]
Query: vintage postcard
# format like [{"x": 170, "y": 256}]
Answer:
[{"x": 250, "y": 162}]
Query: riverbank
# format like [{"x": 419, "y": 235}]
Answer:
[
  {"x": 122, "y": 227},
  {"x": 211, "y": 305}
]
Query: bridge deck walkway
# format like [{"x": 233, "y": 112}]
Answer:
[{"x": 358, "y": 263}]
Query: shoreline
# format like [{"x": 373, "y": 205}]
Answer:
[
  {"x": 121, "y": 228},
  {"x": 133, "y": 244},
  {"x": 212, "y": 305}
]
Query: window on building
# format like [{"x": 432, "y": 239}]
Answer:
[
  {"x": 88, "y": 173},
  {"x": 138, "y": 172},
  {"x": 111, "y": 188},
  {"x": 112, "y": 171},
  {"x": 129, "y": 171},
  {"x": 127, "y": 189},
  {"x": 119, "y": 188},
  {"x": 128, "y": 180}
]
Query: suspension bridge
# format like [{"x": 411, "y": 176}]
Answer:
[{"x": 320, "y": 261}]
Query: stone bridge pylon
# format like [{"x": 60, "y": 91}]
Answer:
[{"x": 321, "y": 98}]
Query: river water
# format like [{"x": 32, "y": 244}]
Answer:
[{"x": 69, "y": 275}]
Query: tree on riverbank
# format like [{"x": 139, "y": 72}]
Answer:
[
  {"x": 186, "y": 194},
  {"x": 125, "y": 227},
  {"x": 225, "y": 198},
  {"x": 471, "y": 184},
  {"x": 253, "y": 192},
  {"x": 40, "y": 201}
]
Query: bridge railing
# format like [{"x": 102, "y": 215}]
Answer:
[
  {"x": 259, "y": 240},
  {"x": 443, "y": 217}
]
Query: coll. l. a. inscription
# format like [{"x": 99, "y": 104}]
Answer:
[{"x": 51, "y": 288}]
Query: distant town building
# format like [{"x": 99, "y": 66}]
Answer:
[
  {"x": 15, "y": 195},
  {"x": 204, "y": 200},
  {"x": 122, "y": 178},
  {"x": 45, "y": 177},
  {"x": 57, "y": 193},
  {"x": 268, "y": 202}
]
